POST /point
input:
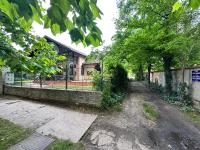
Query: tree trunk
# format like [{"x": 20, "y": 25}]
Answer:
[
  {"x": 183, "y": 74},
  {"x": 149, "y": 73},
  {"x": 167, "y": 59}
]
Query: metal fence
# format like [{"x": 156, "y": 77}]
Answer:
[{"x": 49, "y": 82}]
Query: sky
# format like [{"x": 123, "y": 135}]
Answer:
[{"x": 106, "y": 25}]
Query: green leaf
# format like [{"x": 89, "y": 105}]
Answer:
[
  {"x": 177, "y": 6},
  {"x": 26, "y": 25},
  {"x": 76, "y": 35},
  {"x": 7, "y": 8},
  {"x": 93, "y": 39},
  {"x": 95, "y": 10},
  {"x": 55, "y": 28},
  {"x": 36, "y": 15},
  {"x": 64, "y": 5},
  {"x": 195, "y": 4}
]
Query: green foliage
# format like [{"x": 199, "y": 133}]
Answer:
[
  {"x": 77, "y": 17},
  {"x": 181, "y": 95},
  {"x": 139, "y": 74},
  {"x": 194, "y": 4},
  {"x": 156, "y": 87},
  {"x": 119, "y": 78},
  {"x": 111, "y": 99},
  {"x": 65, "y": 145},
  {"x": 150, "y": 112},
  {"x": 107, "y": 100},
  {"x": 149, "y": 34},
  {"x": 11, "y": 134},
  {"x": 97, "y": 81}
]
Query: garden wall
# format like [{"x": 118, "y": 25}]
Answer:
[
  {"x": 54, "y": 95},
  {"x": 177, "y": 77}
]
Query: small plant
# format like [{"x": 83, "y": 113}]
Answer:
[
  {"x": 150, "y": 112},
  {"x": 97, "y": 81},
  {"x": 111, "y": 99},
  {"x": 156, "y": 87},
  {"x": 181, "y": 96}
]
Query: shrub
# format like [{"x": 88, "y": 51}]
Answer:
[
  {"x": 97, "y": 81},
  {"x": 111, "y": 99},
  {"x": 181, "y": 95},
  {"x": 119, "y": 78},
  {"x": 156, "y": 87}
]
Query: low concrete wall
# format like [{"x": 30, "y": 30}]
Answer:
[
  {"x": 69, "y": 97},
  {"x": 177, "y": 77},
  {"x": 1, "y": 84}
]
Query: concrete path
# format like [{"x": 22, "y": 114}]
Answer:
[
  {"x": 130, "y": 130},
  {"x": 45, "y": 119}
]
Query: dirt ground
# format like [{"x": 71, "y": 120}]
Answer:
[{"x": 130, "y": 130}]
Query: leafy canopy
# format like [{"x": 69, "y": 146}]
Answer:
[{"x": 75, "y": 16}]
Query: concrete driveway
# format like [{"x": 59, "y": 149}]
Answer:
[{"x": 45, "y": 119}]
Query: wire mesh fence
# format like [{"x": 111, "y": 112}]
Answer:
[{"x": 49, "y": 82}]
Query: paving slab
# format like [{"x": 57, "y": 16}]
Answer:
[
  {"x": 34, "y": 142},
  {"x": 45, "y": 119}
]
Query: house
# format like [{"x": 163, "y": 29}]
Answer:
[{"x": 77, "y": 67}]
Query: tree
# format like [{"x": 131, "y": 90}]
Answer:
[
  {"x": 76, "y": 16},
  {"x": 194, "y": 4},
  {"x": 147, "y": 31}
]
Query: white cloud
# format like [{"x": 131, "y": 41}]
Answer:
[{"x": 106, "y": 24}]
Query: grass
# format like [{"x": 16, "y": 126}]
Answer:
[
  {"x": 11, "y": 134},
  {"x": 193, "y": 116},
  {"x": 150, "y": 112},
  {"x": 65, "y": 145}
]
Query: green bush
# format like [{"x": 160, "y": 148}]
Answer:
[
  {"x": 156, "y": 87},
  {"x": 97, "y": 81},
  {"x": 111, "y": 99},
  {"x": 181, "y": 95},
  {"x": 119, "y": 78}
]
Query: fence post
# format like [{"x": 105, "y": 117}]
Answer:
[
  {"x": 21, "y": 78},
  {"x": 40, "y": 78},
  {"x": 66, "y": 77}
]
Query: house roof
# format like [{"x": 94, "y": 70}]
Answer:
[{"x": 65, "y": 46}]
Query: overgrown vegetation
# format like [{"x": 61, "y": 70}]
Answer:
[
  {"x": 65, "y": 145},
  {"x": 114, "y": 88},
  {"x": 193, "y": 115},
  {"x": 181, "y": 98},
  {"x": 150, "y": 112},
  {"x": 180, "y": 95},
  {"x": 11, "y": 134}
]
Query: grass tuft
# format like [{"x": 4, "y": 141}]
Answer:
[
  {"x": 193, "y": 116},
  {"x": 11, "y": 134},
  {"x": 150, "y": 112},
  {"x": 66, "y": 145}
]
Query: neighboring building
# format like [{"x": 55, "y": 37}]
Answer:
[
  {"x": 78, "y": 69},
  {"x": 88, "y": 68}
]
